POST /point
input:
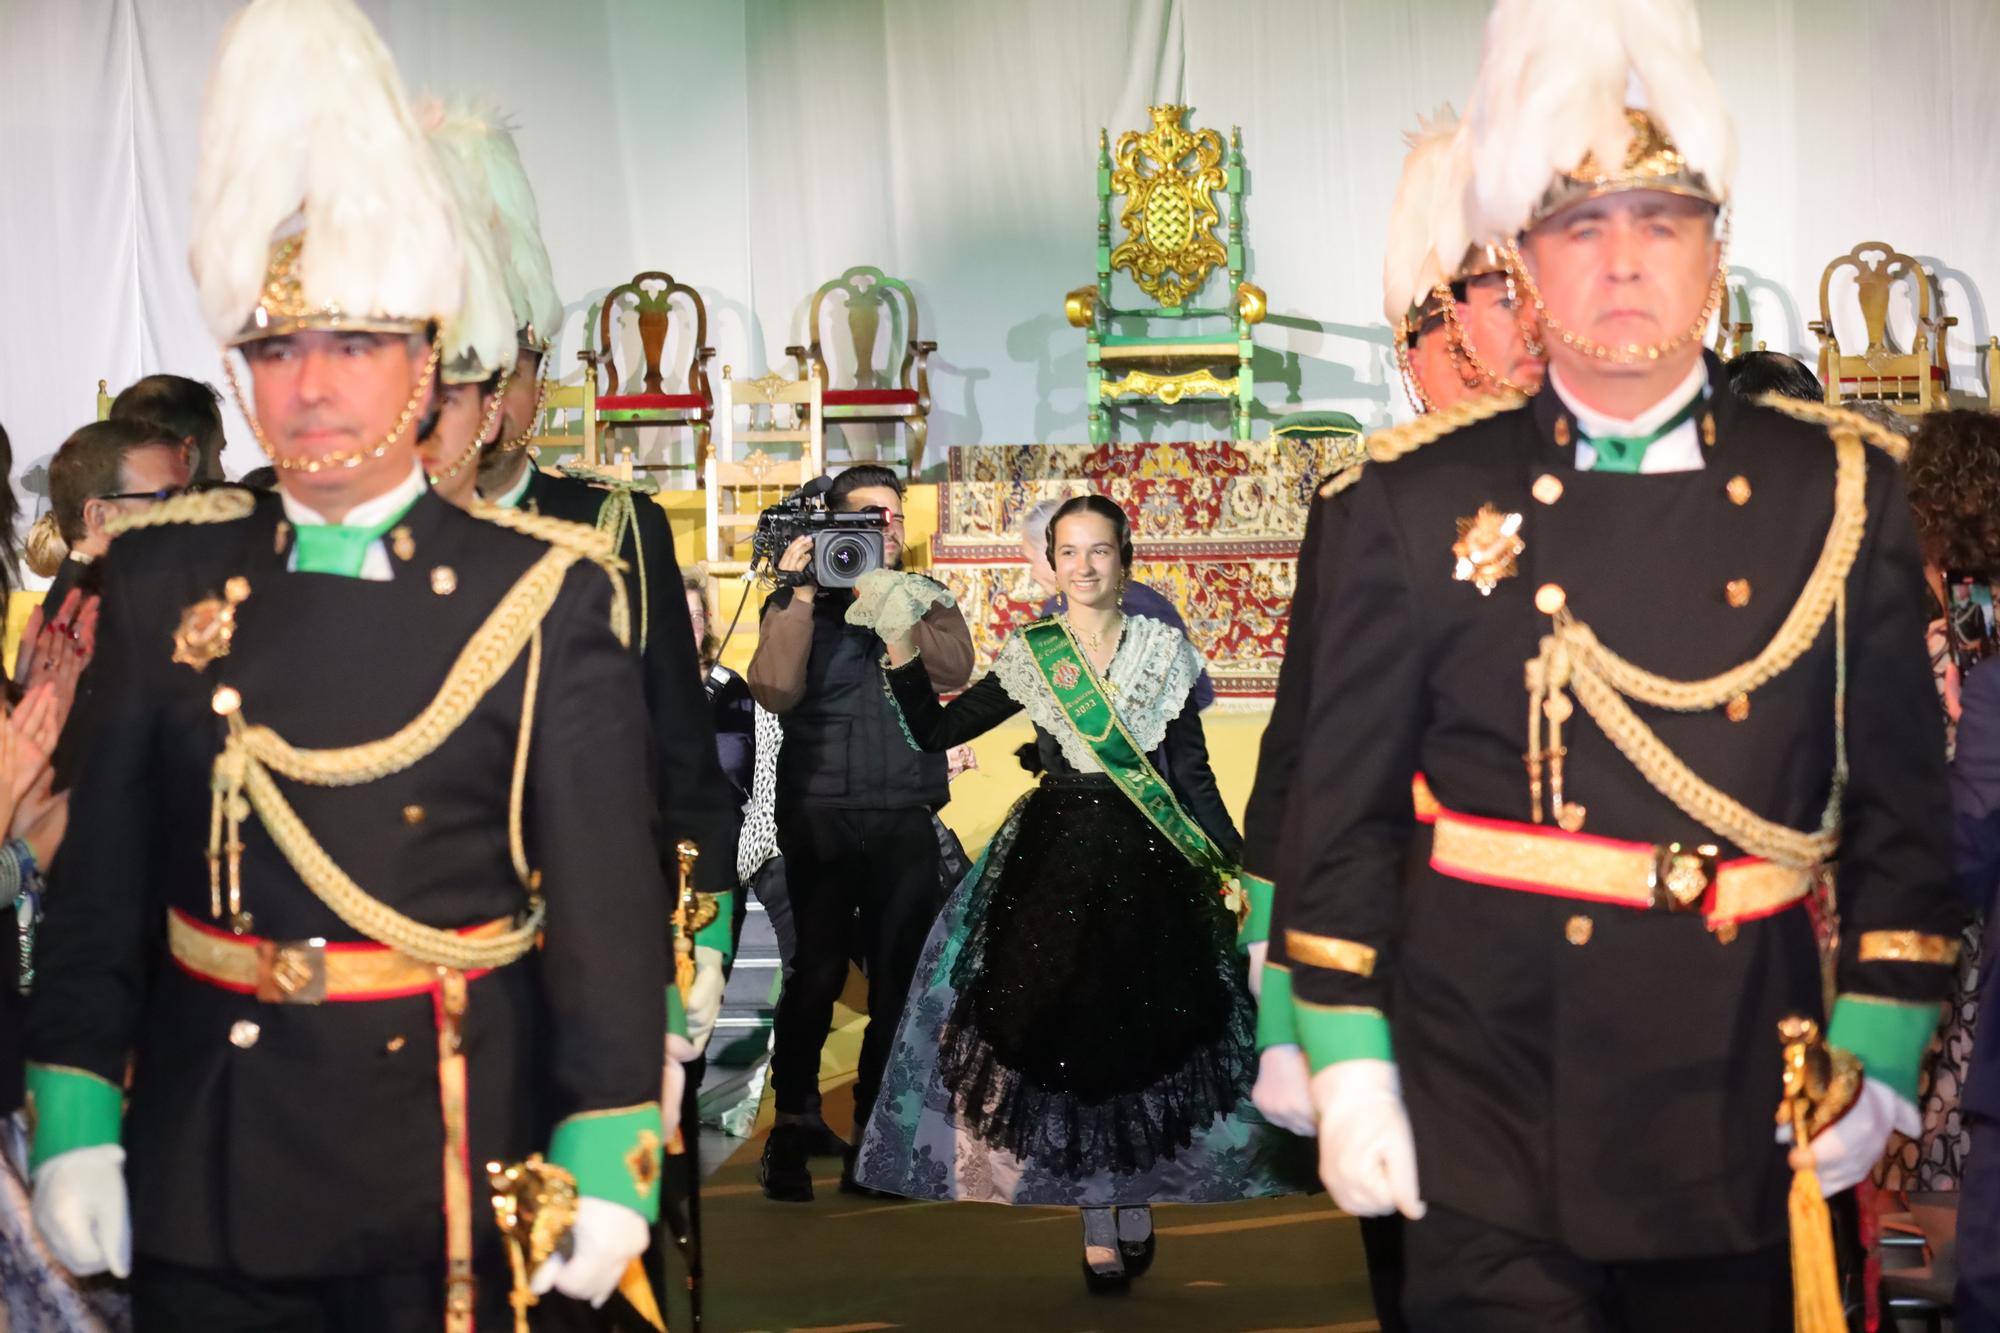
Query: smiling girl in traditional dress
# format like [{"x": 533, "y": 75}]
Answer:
[{"x": 1080, "y": 1031}]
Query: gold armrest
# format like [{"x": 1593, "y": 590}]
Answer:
[
  {"x": 1080, "y": 307},
  {"x": 1251, "y": 302}
]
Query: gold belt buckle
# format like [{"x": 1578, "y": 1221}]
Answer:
[
  {"x": 1681, "y": 876},
  {"x": 291, "y": 971}
]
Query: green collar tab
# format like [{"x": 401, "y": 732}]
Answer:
[
  {"x": 340, "y": 548},
  {"x": 1624, "y": 453}
]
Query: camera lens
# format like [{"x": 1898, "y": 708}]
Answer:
[
  {"x": 840, "y": 559},
  {"x": 845, "y": 557}
]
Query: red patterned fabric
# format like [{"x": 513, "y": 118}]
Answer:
[
  {"x": 869, "y": 398},
  {"x": 648, "y": 402}
]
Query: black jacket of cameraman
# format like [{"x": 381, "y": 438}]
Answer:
[{"x": 844, "y": 743}]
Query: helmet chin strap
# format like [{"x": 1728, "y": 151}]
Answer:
[
  {"x": 1629, "y": 353},
  {"x": 476, "y": 448},
  {"x": 343, "y": 458}
]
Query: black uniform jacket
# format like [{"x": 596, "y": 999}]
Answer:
[
  {"x": 1616, "y": 1095},
  {"x": 1269, "y": 817},
  {"x": 699, "y": 803},
  {"x": 312, "y": 1144}
]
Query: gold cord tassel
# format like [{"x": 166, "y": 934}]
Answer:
[
  {"x": 1819, "y": 1084},
  {"x": 1815, "y": 1277}
]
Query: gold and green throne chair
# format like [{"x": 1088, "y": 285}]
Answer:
[{"x": 1175, "y": 350}]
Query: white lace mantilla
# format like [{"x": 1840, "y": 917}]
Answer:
[{"x": 1150, "y": 677}]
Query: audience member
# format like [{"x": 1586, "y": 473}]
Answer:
[
  {"x": 1953, "y": 473},
  {"x": 104, "y": 469},
  {"x": 190, "y": 409},
  {"x": 1755, "y": 374},
  {"x": 10, "y": 518}
]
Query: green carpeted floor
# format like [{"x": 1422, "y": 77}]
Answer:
[{"x": 843, "y": 1264}]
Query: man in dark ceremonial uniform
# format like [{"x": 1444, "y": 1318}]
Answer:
[
  {"x": 697, "y": 803},
  {"x": 323, "y": 891},
  {"x": 1657, "y": 652},
  {"x": 1453, "y": 348}
]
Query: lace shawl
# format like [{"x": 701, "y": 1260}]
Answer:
[{"x": 1149, "y": 680}]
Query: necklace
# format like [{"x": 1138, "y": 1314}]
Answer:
[{"x": 1095, "y": 641}]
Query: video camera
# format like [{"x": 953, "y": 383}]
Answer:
[{"x": 845, "y": 545}]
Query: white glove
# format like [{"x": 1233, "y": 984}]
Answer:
[
  {"x": 891, "y": 602},
  {"x": 81, "y": 1211},
  {"x": 604, "y": 1240},
  {"x": 673, "y": 1085},
  {"x": 1283, "y": 1094},
  {"x": 1846, "y": 1151},
  {"x": 1258, "y": 953},
  {"x": 704, "y": 999},
  {"x": 1367, "y": 1156}
]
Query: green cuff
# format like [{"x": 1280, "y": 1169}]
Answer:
[
  {"x": 1332, "y": 1033},
  {"x": 1257, "y": 928},
  {"x": 1277, "y": 1024},
  {"x": 677, "y": 1013},
  {"x": 614, "y": 1155},
  {"x": 719, "y": 934},
  {"x": 70, "y": 1108},
  {"x": 1890, "y": 1037}
]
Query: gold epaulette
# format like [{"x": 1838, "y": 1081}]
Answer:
[
  {"x": 1839, "y": 418},
  {"x": 592, "y": 544},
  {"x": 1386, "y": 446},
  {"x": 609, "y": 481},
  {"x": 223, "y": 505},
  {"x": 1341, "y": 480}
]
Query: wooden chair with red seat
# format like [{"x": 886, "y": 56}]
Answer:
[
  {"x": 872, "y": 398},
  {"x": 1911, "y": 382},
  {"x": 649, "y": 298}
]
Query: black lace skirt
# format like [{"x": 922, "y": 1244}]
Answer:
[{"x": 1102, "y": 1018}]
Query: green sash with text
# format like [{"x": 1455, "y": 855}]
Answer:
[{"x": 1081, "y": 696}]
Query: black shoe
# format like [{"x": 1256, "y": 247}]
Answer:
[
  {"x": 821, "y": 1141},
  {"x": 784, "y": 1171}
]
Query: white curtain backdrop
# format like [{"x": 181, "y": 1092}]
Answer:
[{"x": 755, "y": 148}]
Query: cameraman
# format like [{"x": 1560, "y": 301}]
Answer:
[{"x": 854, "y": 803}]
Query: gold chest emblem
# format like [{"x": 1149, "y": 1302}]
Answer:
[
  {"x": 207, "y": 627},
  {"x": 1488, "y": 548}
]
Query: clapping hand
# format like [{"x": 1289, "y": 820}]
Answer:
[{"x": 56, "y": 650}]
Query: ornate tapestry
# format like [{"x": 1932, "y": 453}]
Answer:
[{"x": 1216, "y": 524}]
